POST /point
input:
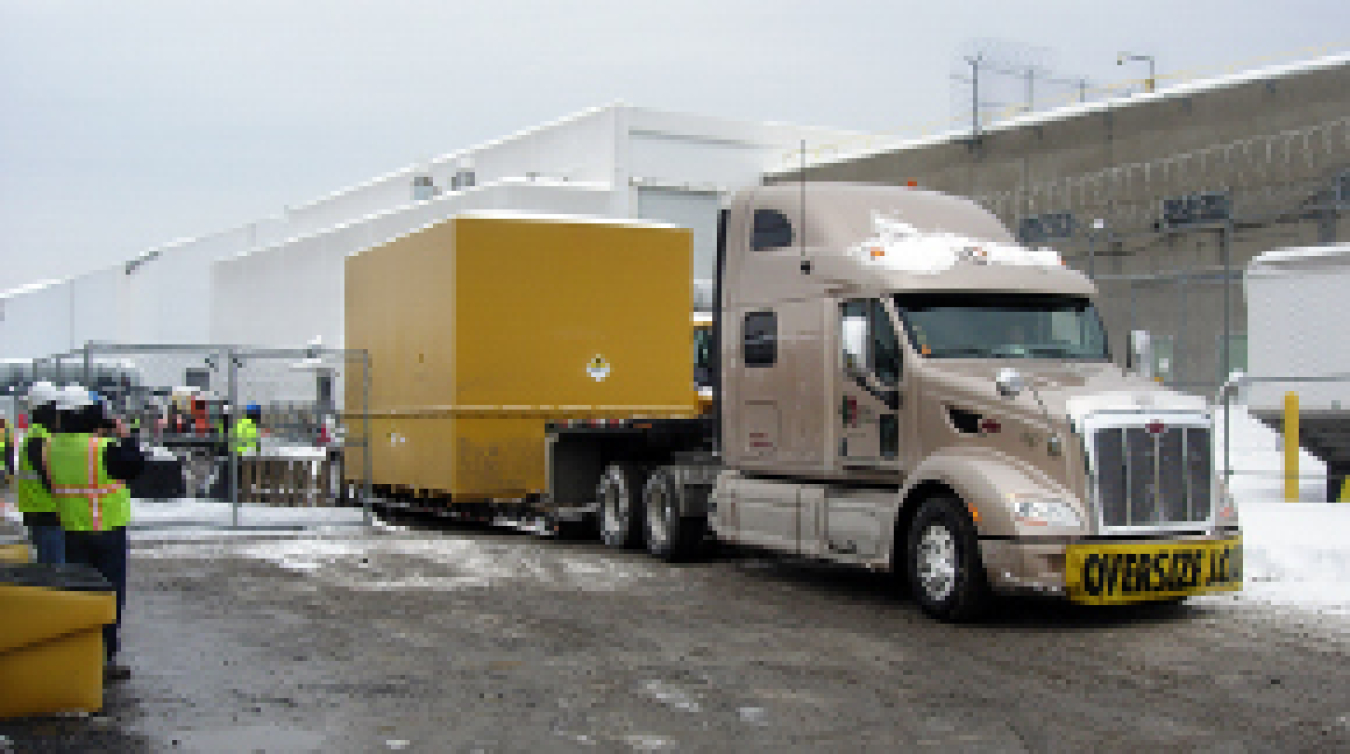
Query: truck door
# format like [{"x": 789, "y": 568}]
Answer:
[{"x": 867, "y": 410}]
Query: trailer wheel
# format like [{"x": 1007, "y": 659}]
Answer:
[
  {"x": 946, "y": 574},
  {"x": 620, "y": 509},
  {"x": 670, "y": 535}
]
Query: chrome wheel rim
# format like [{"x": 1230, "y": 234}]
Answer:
[
  {"x": 612, "y": 516},
  {"x": 936, "y": 562},
  {"x": 658, "y": 508}
]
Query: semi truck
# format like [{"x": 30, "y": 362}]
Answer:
[{"x": 897, "y": 385}]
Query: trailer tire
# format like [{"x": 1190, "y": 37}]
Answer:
[
  {"x": 670, "y": 535},
  {"x": 946, "y": 574},
  {"x": 619, "y": 495}
]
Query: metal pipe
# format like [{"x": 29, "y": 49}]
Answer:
[
  {"x": 232, "y": 369},
  {"x": 367, "y": 470}
]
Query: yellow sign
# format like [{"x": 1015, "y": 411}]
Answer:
[{"x": 1103, "y": 574}]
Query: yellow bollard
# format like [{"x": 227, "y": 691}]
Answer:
[
  {"x": 1291, "y": 447},
  {"x": 1345, "y": 491}
]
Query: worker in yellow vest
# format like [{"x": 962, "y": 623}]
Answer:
[
  {"x": 88, "y": 475},
  {"x": 6, "y": 467},
  {"x": 35, "y": 500}
]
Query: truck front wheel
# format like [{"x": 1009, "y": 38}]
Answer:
[
  {"x": 946, "y": 574},
  {"x": 620, "y": 510}
]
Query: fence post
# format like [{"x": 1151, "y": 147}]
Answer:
[
  {"x": 368, "y": 469},
  {"x": 1291, "y": 435},
  {"x": 233, "y": 465}
]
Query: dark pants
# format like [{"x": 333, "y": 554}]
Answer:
[
  {"x": 50, "y": 543},
  {"x": 105, "y": 552}
]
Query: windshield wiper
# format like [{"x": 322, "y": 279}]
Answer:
[{"x": 960, "y": 351}]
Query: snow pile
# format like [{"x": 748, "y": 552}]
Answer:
[
  {"x": 1297, "y": 555},
  {"x": 1294, "y": 554},
  {"x": 426, "y": 561},
  {"x": 900, "y": 246},
  {"x": 1257, "y": 461}
]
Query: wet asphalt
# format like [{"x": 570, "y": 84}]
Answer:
[{"x": 435, "y": 638}]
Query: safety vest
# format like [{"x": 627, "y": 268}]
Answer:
[
  {"x": 245, "y": 436},
  {"x": 33, "y": 497},
  {"x": 87, "y": 498}
]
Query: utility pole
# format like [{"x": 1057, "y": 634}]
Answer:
[
  {"x": 975, "y": 95},
  {"x": 1150, "y": 83}
]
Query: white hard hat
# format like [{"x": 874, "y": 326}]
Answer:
[
  {"x": 73, "y": 398},
  {"x": 42, "y": 393}
]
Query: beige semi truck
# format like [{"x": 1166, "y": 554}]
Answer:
[
  {"x": 895, "y": 385},
  {"x": 903, "y": 388}
]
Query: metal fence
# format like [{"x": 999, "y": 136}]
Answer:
[
  {"x": 185, "y": 402},
  {"x": 1193, "y": 346}
]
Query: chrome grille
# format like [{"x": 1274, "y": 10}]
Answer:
[{"x": 1147, "y": 479}]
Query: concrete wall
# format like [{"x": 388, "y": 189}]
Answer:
[{"x": 1274, "y": 139}]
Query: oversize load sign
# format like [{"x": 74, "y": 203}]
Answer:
[{"x": 1101, "y": 574}]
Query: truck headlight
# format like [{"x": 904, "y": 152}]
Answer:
[{"x": 1041, "y": 510}]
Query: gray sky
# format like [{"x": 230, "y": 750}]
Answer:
[{"x": 127, "y": 124}]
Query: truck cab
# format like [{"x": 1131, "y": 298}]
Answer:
[{"x": 905, "y": 388}]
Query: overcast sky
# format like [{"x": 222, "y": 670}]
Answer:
[{"x": 126, "y": 124}]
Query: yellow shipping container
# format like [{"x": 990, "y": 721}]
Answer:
[{"x": 483, "y": 328}]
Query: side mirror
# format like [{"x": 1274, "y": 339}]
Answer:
[{"x": 1139, "y": 357}]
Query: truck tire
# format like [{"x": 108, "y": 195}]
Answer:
[
  {"x": 946, "y": 574},
  {"x": 670, "y": 536},
  {"x": 620, "y": 505}
]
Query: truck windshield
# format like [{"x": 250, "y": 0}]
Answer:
[{"x": 1002, "y": 326}]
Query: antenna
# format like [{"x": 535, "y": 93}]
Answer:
[{"x": 801, "y": 232}]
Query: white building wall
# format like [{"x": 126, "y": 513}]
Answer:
[
  {"x": 96, "y": 311},
  {"x": 37, "y": 321},
  {"x": 578, "y": 148},
  {"x": 288, "y": 294},
  {"x": 167, "y": 298}
]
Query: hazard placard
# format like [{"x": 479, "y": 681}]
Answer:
[{"x": 598, "y": 369}]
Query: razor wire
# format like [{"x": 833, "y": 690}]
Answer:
[{"x": 1265, "y": 176}]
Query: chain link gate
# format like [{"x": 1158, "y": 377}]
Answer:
[{"x": 307, "y": 465}]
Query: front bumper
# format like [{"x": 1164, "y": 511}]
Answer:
[{"x": 1109, "y": 571}]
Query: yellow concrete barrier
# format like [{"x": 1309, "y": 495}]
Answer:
[{"x": 51, "y": 646}]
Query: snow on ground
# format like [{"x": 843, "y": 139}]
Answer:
[{"x": 1295, "y": 554}]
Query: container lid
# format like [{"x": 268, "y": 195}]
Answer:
[{"x": 71, "y": 578}]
